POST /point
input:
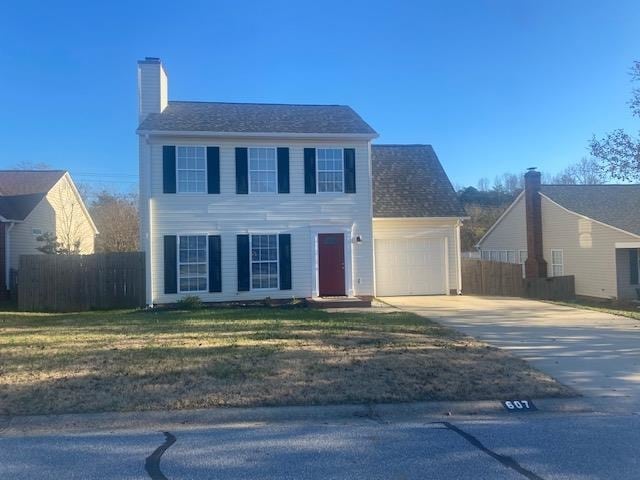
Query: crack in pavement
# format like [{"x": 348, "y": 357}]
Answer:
[
  {"x": 504, "y": 460},
  {"x": 152, "y": 463}
]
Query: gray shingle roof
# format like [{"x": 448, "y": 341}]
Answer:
[
  {"x": 409, "y": 181},
  {"x": 256, "y": 118},
  {"x": 615, "y": 205},
  {"x": 22, "y": 190}
]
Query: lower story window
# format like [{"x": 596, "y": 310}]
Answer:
[
  {"x": 192, "y": 263},
  {"x": 264, "y": 261},
  {"x": 557, "y": 263}
]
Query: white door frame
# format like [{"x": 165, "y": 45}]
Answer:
[{"x": 347, "y": 231}]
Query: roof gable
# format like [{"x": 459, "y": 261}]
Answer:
[
  {"x": 409, "y": 181},
  {"x": 614, "y": 205},
  {"x": 257, "y": 118}
]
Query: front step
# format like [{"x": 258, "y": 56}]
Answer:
[{"x": 339, "y": 302}]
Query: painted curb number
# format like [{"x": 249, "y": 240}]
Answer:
[{"x": 519, "y": 405}]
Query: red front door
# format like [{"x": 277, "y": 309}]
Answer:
[{"x": 331, "y": 264}]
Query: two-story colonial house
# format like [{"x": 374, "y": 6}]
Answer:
[{"x": 242, "y": 201}]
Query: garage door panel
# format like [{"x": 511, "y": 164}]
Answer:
[{"x": 413, "y": 266}]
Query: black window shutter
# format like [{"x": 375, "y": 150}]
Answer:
[
  {"x": 285, "y": 261},
  {"x": 169, "y": 169},
  {"x": 170, "y": 264},
  {"x": 309, "y": 170},
  {"x": 349, "y": 170},
  {"x": 283, "y": 170},
  {"x": 215, "y": 264},
  {"x": 243, "y": 263},
  {"x": 633, "y": 266},
  {"x": 242, "y": 170},
  {"x": 213, "y": 169}
]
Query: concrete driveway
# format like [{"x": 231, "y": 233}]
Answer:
[{"x": 596, "y": 353}]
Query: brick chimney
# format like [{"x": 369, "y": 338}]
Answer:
[
  {"x": 153, "y": 87},
  {"x": 535, "y": 266}
]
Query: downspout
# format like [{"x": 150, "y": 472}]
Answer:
[
  {"x": 7, "y": 255},
  {"x": 459, "y": 256},
  {"x": 148, "y": 240}
]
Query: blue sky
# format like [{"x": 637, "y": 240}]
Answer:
[{"x": 494, "y": 86}]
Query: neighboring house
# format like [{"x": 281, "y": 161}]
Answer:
[
  {"x": 35, "y": 202},
  {"x": 589, "y": 231},
  {"x": 247, "y": 201}
]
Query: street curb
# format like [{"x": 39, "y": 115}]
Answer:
[{"x": 229, "y": 417}]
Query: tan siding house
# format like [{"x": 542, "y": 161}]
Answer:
[
  {"x": 33, "y": 203},
  {"x": 588, "y": 231}
]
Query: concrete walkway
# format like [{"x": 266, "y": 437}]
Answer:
[{"x": 596, "y": 353}]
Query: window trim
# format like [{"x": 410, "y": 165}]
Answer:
[
  {"x": 277, "y": 261},
  {"x": 318, "y": 170},
  {"x": 206, "y": 262},
  {"x": 561, "y": 265},
  {"x": 36, "y": 233},
  {"x": 275, "y": 150},
  {"x": 206, "y": 169}
]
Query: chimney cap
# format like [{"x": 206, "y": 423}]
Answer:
[
  {"x": 531, "y": 169},
  {"x": 150, "y": 60}
]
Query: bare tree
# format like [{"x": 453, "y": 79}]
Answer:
[
  {"x": 618, "y": 150},
  {"x": 587, "y": 171},
  {"x": 116, "y": 217},
  {"x": 483, "y": 184}
]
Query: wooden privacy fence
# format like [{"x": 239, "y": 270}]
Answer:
[
  {"x": 63, "y": 283},
  {"x": 481, "y": 277}
]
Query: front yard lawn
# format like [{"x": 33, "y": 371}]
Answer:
[
  {"x": 630, "y": 310},
  {"x": 134, "y": 360}
]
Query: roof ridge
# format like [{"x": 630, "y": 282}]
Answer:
[
  {"x": 17, "y": 170},
  {"x": 264, "y": 103},
  {"x": 590, "y": 185},
  {"x": 401, "y": 145}
]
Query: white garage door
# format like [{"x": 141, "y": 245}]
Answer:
[{"x": 410, "y": 266}]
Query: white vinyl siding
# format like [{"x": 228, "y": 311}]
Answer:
[
  {"x": 263, "y": 170},
  {"x": 330, "y": 169},
  {"x": 229, "y": 215},
  {"x": 264, "y": 261},
  {"x": 191, "y": 169},
  {"x": 192, "y": 263}
]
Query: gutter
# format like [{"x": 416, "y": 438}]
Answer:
[{"x": 191, "y": 133}]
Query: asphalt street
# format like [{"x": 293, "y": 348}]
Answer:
[{"x": 502, "y": 446}]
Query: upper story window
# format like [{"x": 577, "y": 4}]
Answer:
[
  {"x": 192, "y": 263},
  {"x": 263, "y": 170},
  {"x": 330, "y": 166},
  {"x": 191, "y": 169}
]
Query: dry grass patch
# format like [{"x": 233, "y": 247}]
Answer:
[{"x": 132, "y": 360}]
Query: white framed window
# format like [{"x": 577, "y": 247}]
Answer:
[
  {"x": 191, "y": 169},
  {"x": 485, "y": 255},
  {"x": 264, "y": 261},
  {"x": 557, "y": 263},
  {"x": 511, "y": 256},
  {"x": 36, "y": 232},
  {"x": 522, "y": 256},
  {"x": 494, "y": 255},
  {"x": 330, "y": 169},
  {"x": 193, "y": 263},
  {"x": 263, "y": 170}
]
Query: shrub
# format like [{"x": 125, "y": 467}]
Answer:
[{"x": 190, "y": 302}]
